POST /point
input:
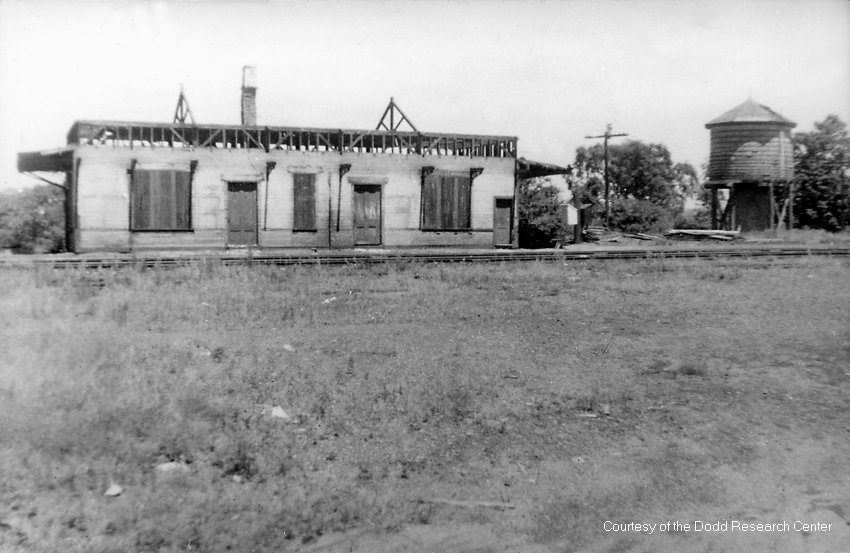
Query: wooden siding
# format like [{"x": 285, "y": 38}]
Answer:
[
  {"x": 751, "y": 151},
  {"x": 751, "y": 205},
  {"x": 199, "y": 239},
  {"x": 103, "y": 208}
]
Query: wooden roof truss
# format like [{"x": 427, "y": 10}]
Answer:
[
  {"x": 393, "y": 113},
  {"x": 183, "y": 111},
  {"x": 179, "y": 135}
]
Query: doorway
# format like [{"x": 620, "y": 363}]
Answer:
[
  {"x": 367, "y": 214},
  {"x": 241, "y": 213},
  {"x": 503, "y": 217}
]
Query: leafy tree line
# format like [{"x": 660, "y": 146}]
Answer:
[
  {"x": 822, "y": 176},
  {"x": 33, "y": 220},
  {"x": 648, "y": 190}
]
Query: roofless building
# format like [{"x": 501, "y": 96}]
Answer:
[
  {"x": 751, "y": 152},
  {"x": 134, "y": 186}
]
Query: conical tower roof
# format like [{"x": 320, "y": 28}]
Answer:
[{"x": 750, "y": 112}]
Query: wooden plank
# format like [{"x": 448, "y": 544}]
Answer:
[
  {"x": 701, "y": 232},
  {"x": 357, "y": 140},
  {"x": 210, "y": 141},
  {"x": 182, "y": 139},
  {"x": 326, "y": 140},
  {"x": 249, "y": 137},
  {"x": 468, "y": 504}
]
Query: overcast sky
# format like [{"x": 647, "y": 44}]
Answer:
[{"x": 549, "y": 72}]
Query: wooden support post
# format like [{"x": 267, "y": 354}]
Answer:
[
  {"x": 714, "y": 205},
  {"x": 330, "y": 206},
  {"x": 515, "y": 222},
  {"x": 790, "y": 204},
  {"x": 270, "y": 165},
  {"x": 732, "y": 215},
  {"x": 131, "y": 169},
  {"x": 343, "y": 169},
  {"x": 193, "y": 167},
  {"x": 772, "y": 208}
]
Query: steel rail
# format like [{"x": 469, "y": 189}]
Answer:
[{"x": 422, "y": 256}]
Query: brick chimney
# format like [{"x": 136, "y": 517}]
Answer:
[{"x": 249, "y": 96}]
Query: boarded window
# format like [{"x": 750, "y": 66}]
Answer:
[
  {"x": 446, "y": 202},
  {"x": 161, "y": 200},
  {"x": 305, "y": 201}
]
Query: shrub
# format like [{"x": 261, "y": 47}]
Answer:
[
  {"x": 33, "y": 220},
  {"x": 631, "y": 215},
  {"x": 699, "y": 218},
  {"x": 541, "y": 220}
]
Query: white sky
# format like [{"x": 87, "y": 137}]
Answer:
[{"x": 549, "y": 72}]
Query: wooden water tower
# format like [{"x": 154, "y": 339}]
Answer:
[{"x": 751, "y": 153}]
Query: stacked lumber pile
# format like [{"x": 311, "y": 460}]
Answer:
[
  {"x": 694, "y": 234},
  {"x": 615, "y": 237},
  {"x": 593, "y": 234}
]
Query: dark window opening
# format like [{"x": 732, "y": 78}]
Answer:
[
  {"x": 160, "y": 200},
  {"x": 446, "y": 202},
  {"x": 304, "y": 202}
]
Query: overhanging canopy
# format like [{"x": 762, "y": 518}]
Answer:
[
  {"x": 49, "y": 160},
  {"x": 528, "y": 169}
]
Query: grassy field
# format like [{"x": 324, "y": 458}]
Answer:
[{"x": 425, "y": 407}]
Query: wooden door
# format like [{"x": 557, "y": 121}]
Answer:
[
  {"x": 242, "y": 213},
  {"x": 503, "y": 216},
  {"x": 367, "y": 214}
]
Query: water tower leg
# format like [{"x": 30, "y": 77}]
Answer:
[
  {"x": 790, "y": 204},
  {"x": 713, "y": 209},
  {"x": 772, "y": 208}
]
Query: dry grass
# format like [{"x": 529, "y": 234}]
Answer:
[
  {"x": 404, "y": 382},
  {"x": 803, "y": 236}
]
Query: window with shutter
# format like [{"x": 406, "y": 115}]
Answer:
[
  {"x": 446, "y": 200},
  {"x": 304, "y": 202},
  {"x": 160, "y": 200}
]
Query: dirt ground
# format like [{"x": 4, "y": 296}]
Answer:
[
  {"x": 778, "y": 459},
  {"x": 531, "y": 408},
  {"x": 759, "y": 437}
]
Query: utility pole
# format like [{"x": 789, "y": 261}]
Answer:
[{"x": 605, "y": 138}]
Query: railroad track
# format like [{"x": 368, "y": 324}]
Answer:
[{"x": 86, "y": 261}]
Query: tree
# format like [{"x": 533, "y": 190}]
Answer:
[
  {"x": 586, "y": 181},
  {"x": 540, "y": 214},
  {"x": 642, "y": 178},
  {"x": 822, "y": 176},
  {"x": 33, "y": 219}
]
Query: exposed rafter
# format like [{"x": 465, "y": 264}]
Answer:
[
  {"x": 183, "y": 111},
  {"x": 396, "y": 118},
  {"x": 177, "y": 135},
  {"x": 39, "y": 177}
]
